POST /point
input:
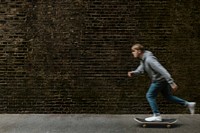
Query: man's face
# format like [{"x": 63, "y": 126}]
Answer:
[{"x": 136, "y": 53}]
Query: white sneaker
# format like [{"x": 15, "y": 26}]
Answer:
[
  {"x": 191, "y": 106},
  {"x": 154, "y": 118}
]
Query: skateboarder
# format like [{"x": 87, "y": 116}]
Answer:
[{"x": 161, "y": 81}]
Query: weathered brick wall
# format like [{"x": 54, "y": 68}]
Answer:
[{"x": 72, "y": 56}]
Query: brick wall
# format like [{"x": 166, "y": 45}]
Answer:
[{"x": 72, "y": 56}]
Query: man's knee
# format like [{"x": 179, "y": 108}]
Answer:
[{"x": 149, "y": 95}]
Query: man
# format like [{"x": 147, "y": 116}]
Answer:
[{"x": 161, "y": 81}]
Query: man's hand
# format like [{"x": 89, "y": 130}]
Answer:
[
  {"x": 174, "y": 87},
  {"x": 130, "y": 74}
]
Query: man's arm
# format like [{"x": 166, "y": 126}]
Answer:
[
  {"x": 138, "y": 71},
  {"x": 156, "y": 66}
]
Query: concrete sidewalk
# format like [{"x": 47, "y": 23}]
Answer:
[{"x": 90, "y": 123}]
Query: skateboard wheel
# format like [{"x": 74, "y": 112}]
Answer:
[
  {"x": 168, "y": 126},
  {"x": 144, "y": 125}
]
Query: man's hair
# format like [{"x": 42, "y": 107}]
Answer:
[{"x": 138, "y": 47}]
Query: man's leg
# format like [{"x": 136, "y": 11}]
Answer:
[
  {"x": 166, "y": 92},
  {"x": 151, "y": 97}
]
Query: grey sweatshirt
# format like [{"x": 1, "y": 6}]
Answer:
[{"x": 154, "y": 69}]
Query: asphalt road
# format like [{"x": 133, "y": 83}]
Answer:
[{"x": 91, "y": 123}]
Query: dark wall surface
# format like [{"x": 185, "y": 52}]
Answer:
[{"x": 72, "y": 56}]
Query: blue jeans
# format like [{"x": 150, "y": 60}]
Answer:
[{"x": 165, "y": 89}]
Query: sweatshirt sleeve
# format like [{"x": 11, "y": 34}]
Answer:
[
  {"x": 139, "y": 70},
  {"x": 157, "y": 67}
]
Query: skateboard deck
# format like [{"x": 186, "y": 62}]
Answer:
[{"x": 166, "y": 122}]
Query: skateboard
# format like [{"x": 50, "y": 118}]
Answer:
[{"x": 166, "y": 122}]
